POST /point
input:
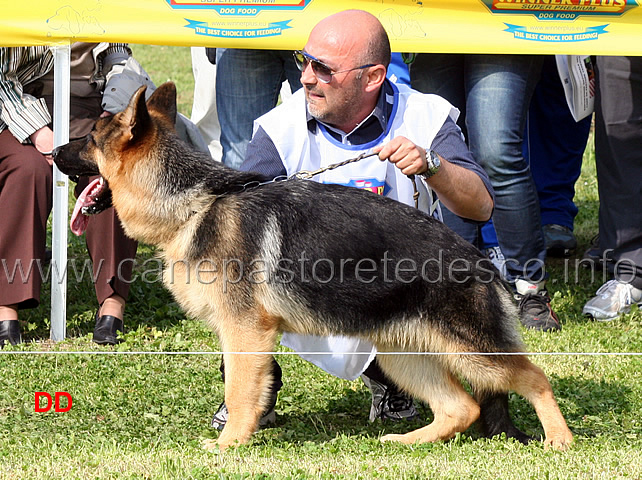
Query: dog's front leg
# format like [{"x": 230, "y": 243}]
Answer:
[{"x": 247, "y": 377}]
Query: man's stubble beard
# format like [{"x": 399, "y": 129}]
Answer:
[{"x": 338, "y": 114}]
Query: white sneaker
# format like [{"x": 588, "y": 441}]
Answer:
[
  {"x": 496, "y": 256},
  {"x": 612, "y": 300},
  {"x": 524, "y": 287}
]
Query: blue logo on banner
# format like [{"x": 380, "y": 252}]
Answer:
[
  {"x": 271, "y": 30},
  {"x": 522, "y": 33}
]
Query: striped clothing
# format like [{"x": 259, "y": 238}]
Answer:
[{"x": 21, "y": 113}]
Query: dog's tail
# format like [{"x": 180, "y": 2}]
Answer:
[{"x": 494, "y": 418}]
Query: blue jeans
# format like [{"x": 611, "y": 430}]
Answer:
[
  {"x": 493, "y": 93},
  {"x": 248, "y": 83},
  {"x": 554, "y": 145}
]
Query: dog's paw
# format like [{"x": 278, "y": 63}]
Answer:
[
  {"x": 223, "y": 442},
  {"x": 398, "y": 438},
  {"x": 560, "y": 441},
  {"x": 212, "y": 446}
]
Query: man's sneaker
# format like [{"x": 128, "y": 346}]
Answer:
[
  {"x": 560, "y": 241},
  {"x": 388, "y": 403},
  {"x": 496, "y": 256},
  {"x": 535, "y": 310},
  {"x": 220, "y": 417},
  {"x": 612, "y": 300}
]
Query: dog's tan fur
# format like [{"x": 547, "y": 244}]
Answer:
[{"x": 248, "y": 318}]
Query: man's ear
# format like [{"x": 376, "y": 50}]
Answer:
[
  {"x": 136, "y": 117},
  {"x": 375, "y": 78},
  {"x": 163, "y": 101}
]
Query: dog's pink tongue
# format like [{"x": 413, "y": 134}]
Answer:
[{"x": 79, "y": 221}]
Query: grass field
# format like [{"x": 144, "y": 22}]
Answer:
[{"x": 145, "y": 415}]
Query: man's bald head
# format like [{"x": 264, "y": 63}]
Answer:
[{"x": 356, "y": 31}]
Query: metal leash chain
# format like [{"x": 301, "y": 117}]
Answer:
[
  {"x": 307, "y": 174},
  {"x": 253, "y": 184}
]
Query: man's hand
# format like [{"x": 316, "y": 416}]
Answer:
[
  {"x": 43, "y": 141},
  {"x": 459, "y": 189},
  {"x": 407, "y": 157}
]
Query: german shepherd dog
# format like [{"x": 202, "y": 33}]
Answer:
[{"x": 254, "y": 259}]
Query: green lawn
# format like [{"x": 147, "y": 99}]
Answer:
[{"x": 145, "y": 415}]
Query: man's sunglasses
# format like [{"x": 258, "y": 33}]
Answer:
[{"x": 320, "y": 69}]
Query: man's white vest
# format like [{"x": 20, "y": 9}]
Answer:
[{"x": 416, "y": 116}]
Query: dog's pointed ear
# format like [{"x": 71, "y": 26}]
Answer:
[
  {"x": 135, "y": 116},
  {"x": 163, "y": 101}
]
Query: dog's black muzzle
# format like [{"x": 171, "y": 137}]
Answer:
[{"x": 69, "y": 160}]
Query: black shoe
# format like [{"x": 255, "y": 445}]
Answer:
[
  {"x": 388, "y": 403},
  {"x": 560, "y": 241},
  {"x": 222, "y": 414},
  {"x": 106, "y": 330},
  {"x": 10, "y": 330},
  {"x": 535, "y": 312}
]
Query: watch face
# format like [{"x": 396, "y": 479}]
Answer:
[
  {"x": 433, "y": 163},
  {"x": 435, "y": 159}
]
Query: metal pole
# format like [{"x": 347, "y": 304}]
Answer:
[{"x": 62, "y": 55}]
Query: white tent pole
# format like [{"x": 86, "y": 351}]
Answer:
[{"x": 62, "y": 55}]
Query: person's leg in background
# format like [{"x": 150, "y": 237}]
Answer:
[
  {"x": 248, "y": 83},
  {"x": 618, "y": 159},
  {"x": 443, "y": 74},
  {"x": 494, "y": 99},
  {"x": 25, "y": 203},
  {"x": 489, "y": 246},
  {"x": 554, "y": 145},
  {"x": 204, "y": 113},
  {"x": 499, "y": 89}
]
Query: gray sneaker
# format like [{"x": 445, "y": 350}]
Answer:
[
  {"x": 220, "y": 417},
  {"x": 611, "y": 300},
  {"x": 389, "y": 404},
  {"x": 560, "y": 241}
]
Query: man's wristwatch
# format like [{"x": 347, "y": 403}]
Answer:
[{"x": 432, "y": 162}]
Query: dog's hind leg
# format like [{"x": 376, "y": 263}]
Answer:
[
  {"x": 425, "y": 378},
  {"x": 247, "y": 376},
  {"x": 529, "y": 381},
  {"x": 494, "y": 418}
]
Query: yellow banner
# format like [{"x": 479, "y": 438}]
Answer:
[{"x": 600, "y": 27}]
